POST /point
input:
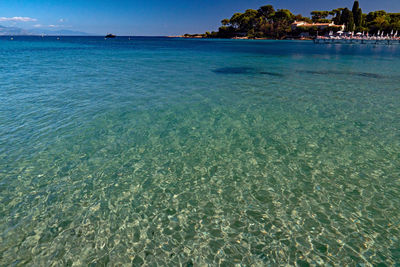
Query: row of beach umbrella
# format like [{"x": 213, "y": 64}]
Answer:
[{"x": 394, "y": 34}]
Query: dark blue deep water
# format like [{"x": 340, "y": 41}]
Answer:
[{"x": 157, "y": 151}]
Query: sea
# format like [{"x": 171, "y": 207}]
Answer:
[{"x": 198, "y": 152}]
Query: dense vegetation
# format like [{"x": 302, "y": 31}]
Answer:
[{"x": 266, "y": 22}]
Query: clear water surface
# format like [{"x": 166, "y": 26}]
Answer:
[{"x": 157, "y": 151}]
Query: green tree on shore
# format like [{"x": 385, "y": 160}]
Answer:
[
  {"x": 347, "y": 19},
  {"x": 337, "y": 13},
  {"x": 271, "y": 23},
  {"x": 283, "y": 19},
  {"x": 357, "y": 14},
  {"x": 319, "y": 16},
  {"x": 267, "y": 12}
]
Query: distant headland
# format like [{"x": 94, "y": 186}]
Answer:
[{"x": 268, "y": 23}]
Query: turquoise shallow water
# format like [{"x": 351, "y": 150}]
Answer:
[{"x": 161, "y": 151}]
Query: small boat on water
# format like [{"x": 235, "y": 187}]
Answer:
[{"x": 110, "y": 36}]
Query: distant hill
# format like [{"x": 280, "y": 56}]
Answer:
[
  {"x": 13, "y": 31},
  {"x": 18, "y": 31},
  {"x": 58, "y": 32}
]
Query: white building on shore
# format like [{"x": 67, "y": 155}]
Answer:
[{"x": 320, "y": 26}]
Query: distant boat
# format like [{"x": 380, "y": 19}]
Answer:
[{"x": 110, "y": 35}]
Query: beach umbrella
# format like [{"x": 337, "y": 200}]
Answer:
[
  {"x": 340, "y": 32},
  {"x": 358, "y": 33}
]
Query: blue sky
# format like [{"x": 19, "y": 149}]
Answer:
[{"x": 152, "y": 17}]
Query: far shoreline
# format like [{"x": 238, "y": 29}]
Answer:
[
  {"x": 172, "y": 37},
  {"x": 241, "y": 38}
]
